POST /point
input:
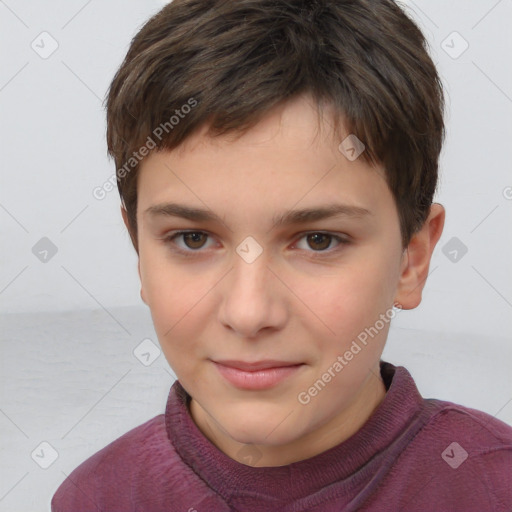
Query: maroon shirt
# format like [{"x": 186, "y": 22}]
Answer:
[{"x": 412, "y": 454}]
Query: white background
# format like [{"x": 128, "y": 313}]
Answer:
[{"x": 69, "y": 326}]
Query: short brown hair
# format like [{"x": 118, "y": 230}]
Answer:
[{"x": 235, "y": 60}]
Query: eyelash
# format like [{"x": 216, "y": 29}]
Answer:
[{"x": 169, "y": 239}]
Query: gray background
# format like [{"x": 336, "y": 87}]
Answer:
[{"x": 72, "y": 320}]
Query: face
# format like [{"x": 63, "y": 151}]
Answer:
[{"x": 242, "y": 286}]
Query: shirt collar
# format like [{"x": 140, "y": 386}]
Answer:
[{"x": 346, "y": 463}]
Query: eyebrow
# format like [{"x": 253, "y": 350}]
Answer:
[{"x": 290, "y": 217}]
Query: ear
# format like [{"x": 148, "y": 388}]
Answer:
[
  {"x": 124, "y": 214},
  {"x": 416, "y": 259}
]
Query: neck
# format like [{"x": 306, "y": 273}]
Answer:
[{"x": 336, "y": 430}]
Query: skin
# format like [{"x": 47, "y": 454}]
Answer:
[{"x": 302, "y": 300}]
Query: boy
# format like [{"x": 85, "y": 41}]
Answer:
[{"x": 277, "y": 162}]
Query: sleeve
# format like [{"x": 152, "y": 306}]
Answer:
[
  {"x": 100, "y": 483},
  {"x": 78, "y": 493}
]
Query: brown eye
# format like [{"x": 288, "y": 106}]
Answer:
[
  {"x": 322, "y": 243},
  {"x": 319, "y": 241},
  {"x": 193, "y": 239},
  {"x": 189, "y": 243}
]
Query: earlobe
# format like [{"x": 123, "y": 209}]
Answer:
[
  {"x": 141, "y": 286},
  {"x": 416, "y": 259}
]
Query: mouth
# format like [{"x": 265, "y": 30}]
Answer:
[{"x": 256, "y": 375}]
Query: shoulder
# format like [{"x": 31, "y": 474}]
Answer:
[
  {"x": 481, "y": 434},
  {"x": 466, "y": 454},
  {"x": 100, "y": 480},
  {"x": 483, "y": 427}
]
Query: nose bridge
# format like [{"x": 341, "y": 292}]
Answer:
[
  {"x": 250, "y": 299},
  {"x": 250, "y": 267}
]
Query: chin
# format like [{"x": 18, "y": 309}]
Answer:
[
  {"x": 258, "y": 428},
  {"x": 260, "y": 436}
]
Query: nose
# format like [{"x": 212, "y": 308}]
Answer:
[{"x": 253, "y": 297}]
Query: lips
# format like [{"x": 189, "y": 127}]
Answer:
[
  {"x": 257, "y": 375},
  {"x": 257, "y": 365}
]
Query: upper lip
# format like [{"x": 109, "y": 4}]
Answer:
[{"x": 257, "y": 365}]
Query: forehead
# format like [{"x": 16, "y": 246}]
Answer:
[{"x": 291, "y": 158}]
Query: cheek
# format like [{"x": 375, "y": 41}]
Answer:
[
  {"x": 353, "y": 300},
  {"x": 175, "y": 302},
  {"x": 175, "y": 306}
]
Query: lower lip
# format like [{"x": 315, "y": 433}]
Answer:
[{"x": 261, "y": 379}]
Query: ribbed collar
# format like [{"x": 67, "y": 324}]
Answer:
[{"x": 347, "y": 463}]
